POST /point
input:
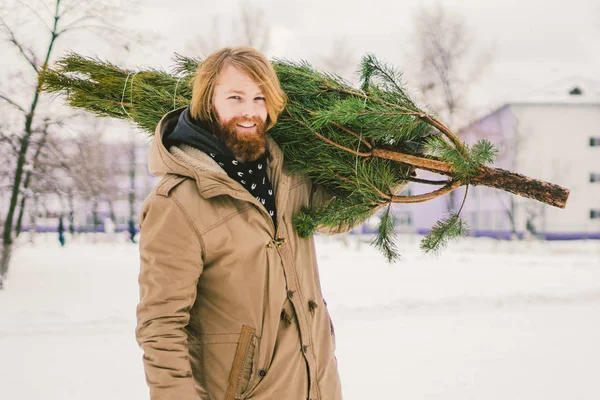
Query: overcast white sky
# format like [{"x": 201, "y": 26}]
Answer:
[{"x": 536, "y": 42}]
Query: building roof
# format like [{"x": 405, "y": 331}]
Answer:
[{"x": 570, "y": 90}]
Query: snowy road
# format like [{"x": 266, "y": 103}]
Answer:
[{"x": 489, "y": 320}]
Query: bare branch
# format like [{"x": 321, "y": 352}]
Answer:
[
  {"x": 340, "y": 59},
  {"x": 33, "y": 10},
  {"x": 206, "y": 43},
  {"x": 103, "y": 24},
  {"x": 12, "y": 103},
  {"x": 23, "y": 50},
  {"x": 9, "y": 140},
  {"x": 75, "y": 5},
  {"x": 448, "y": 60},
  {"x": 96, "y": 29},
  {"x": 75, "y": 22},
  {"x": 252, "y": 28}
]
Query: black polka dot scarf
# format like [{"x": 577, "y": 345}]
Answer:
[{"x": 253, "y": 177}]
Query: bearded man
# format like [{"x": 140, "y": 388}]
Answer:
[{"x": 230, "y": 300}]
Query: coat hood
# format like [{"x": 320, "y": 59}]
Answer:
[{"x": 192, "y": 132}]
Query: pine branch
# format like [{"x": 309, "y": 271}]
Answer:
[
  {"x": 336, "y": 214},
  {"x": 357, "y": 143},
  {"x": 386, "y": 237},
  {"x": 443, "y": 231},
  {"x": 446, "y": 230},
  {"x": 184, "y": 65},
  {"x": 464, "y": 163},
  {"x": 389, "y": 84},
  {"x": 484, "y": 152}
]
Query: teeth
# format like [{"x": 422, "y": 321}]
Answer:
[{"x": 246, "y": 126}]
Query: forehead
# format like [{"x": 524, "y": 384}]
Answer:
[{"x": 234, "y": 79}]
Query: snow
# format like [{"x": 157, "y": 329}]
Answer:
[{"x": 487, "y": 320}]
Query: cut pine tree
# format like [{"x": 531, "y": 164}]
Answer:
[{"x": 363, "y": 143}]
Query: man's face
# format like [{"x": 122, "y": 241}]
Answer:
[{"x": 241, "y": 111}]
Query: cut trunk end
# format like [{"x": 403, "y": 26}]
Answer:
[{"x": 521, "y": 185}]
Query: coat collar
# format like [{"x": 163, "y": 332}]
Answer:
[{"x": 210, "y": 178}]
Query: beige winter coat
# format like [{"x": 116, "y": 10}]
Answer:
[{"x": 230, "y": 308}]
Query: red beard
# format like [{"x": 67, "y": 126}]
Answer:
[{"x": 246, "y": 146}]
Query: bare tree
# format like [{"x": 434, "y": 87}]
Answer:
[
  {"x": 508, "y": 148},
  {"x": 87, "y": 169},
  {"x": 340, "y": 60},
  {"x": 446, "y": 61},
  {"x": 38, "y": 143},
  {"x": 250, "y": 28},
  {"x": 93, "y": 170},
  {"x": 208, "y": 42},
  {"x": 59, "y": 173},
  {"x": 7, "y": 148},
  {"x": 507, "y": 132},
  {"x": 57, "y": 19}
]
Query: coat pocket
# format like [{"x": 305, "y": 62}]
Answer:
[{"x": 243, "y": 367}]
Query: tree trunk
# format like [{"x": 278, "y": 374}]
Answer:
[
  {"x": 521, "y": 185},
  {"x": 7, "y": 235},
  {"x": 512, "y": 214},
  {"x": 132, "y": 165},
  {"x": 71, "y": 214},
  {"x": 27, "y": 181},
  {"x": 19, "y": 224},
  {"x": 111, "y": 211},
  {"x": 518, "y": 184},
  {"x": 7, "y": 239},
  {"x": 33, "y": 219},
  {"x": 95, "y": 218},
  {"x": 4, "y": 262}
]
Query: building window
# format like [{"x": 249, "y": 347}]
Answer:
[
  {"x": 595, "y": 141},
  {"x": 595, "y": 177},
  {"x": 576, "y": 91},
  {"x": 595, "y": 214}
]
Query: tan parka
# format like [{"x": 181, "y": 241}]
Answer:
[{"x": 230, "y": 307}]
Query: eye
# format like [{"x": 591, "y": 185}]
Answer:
[
  {"x": 260, "y": 98},
  {"x": 234, "y": 97}
]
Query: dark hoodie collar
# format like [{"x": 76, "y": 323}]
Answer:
[{"x": 192, "y": 132}]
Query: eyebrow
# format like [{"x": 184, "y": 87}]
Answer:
[{"x": 242, "y": 92}]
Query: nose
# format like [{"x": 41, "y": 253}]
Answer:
[{"x": 249, "y": 110}]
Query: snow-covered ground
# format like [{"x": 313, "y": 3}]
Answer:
[{"x": 487, "y": 320}]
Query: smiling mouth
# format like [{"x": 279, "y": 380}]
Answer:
[{"x": 246, "y": 126}]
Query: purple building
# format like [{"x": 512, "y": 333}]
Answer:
[{"x": 553, "y": 136}]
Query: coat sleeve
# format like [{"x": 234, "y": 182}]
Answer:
[
  {"x": 170, "y": 266},
  {"x": 320, "y": 196}
]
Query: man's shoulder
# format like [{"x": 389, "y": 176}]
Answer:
[
  {"x": 169, "y": 182},
  {"x": 166, "y": 187},
  {"x": 173, "y": 190}
]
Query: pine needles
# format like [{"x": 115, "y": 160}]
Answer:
[{"x": 362, "y": 144}]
